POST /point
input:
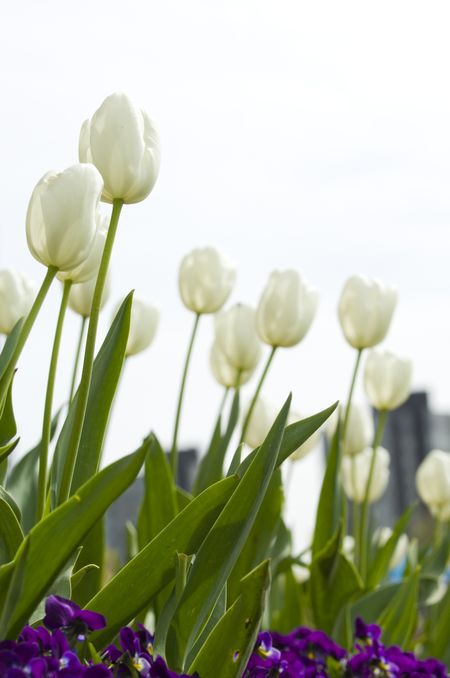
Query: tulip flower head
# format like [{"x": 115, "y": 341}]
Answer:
[
  {"x": 17, "y": 293},
  {"x": 121, "y": 141},
  {"x": 89, "y": 267},
  {"x": 82, "y": 294},
  {"x": 224, "y": 372},
  {"x": 387, "y": 379},
  {"x": 206, "y": 278},
  {"x": 61, "y": 217},
  {"x": 360, "y": 428},
  {"x": 143, "y": 325},
  {"x": 355, "y": 479},
  {"x": 237, "y": 338},
  {"x": 365, "y": 311},
  {"x": 433, "y": 484},
  {"x": 286, "y": 309}
]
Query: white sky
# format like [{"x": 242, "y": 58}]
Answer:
[{"x": 312, "y": 135}]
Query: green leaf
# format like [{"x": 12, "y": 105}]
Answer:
[
  {"x": 261, "y": 536},
  {"x": 334, "y": 582},
  {"x": 92, "y": 557},
  {"x": 439, "y": 646},
  {"x": 11, "y": 578},
  {"x": 159, "y": 501},
  {"x": 294, "y": 436},
  {"x": 231, "y": 642},
  {"x": 398, "y": 618},
  {"x": 53, "y": 540},
  {"x": 289, "y": 609},
  {"x": 23, "y": 478},
  {"x": 8, "y": 426},
  {"x": 105, "y": 377},
  {"x": 140, "y": 580},
  {"x": 78, "y": 576},
  {"x": 10, "y": 500},
  {"x": 9, "y": 346},
  {"x": 221, "y": 548},
  {"x": 236, "y": 460},
  {"x": 183, "y": 498},
  {"x": 60, "y": 587},
  {"x": 11, "y": 535},
  {"x": 329, "y": 508},
  {"x": 216, "y": 615},
  {"x": 6, "y": 450},
  {"x": 380, "y": 564},
  {"x": 211, "y": 466}
]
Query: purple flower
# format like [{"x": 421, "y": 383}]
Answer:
[
  {"x": 366, "y": 632},
  {"x": 61, "y": 613}
]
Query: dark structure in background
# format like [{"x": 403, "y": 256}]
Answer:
[
  {"x": 127, "y": 505},
  {"x": 411, "y": 432}
]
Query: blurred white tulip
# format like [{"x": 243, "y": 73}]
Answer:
[
  {"x": 206, "y": 278},
  {"x": 387, "y": 379}
]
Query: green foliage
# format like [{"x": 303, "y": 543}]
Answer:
[{"x": 329, "y": 510}]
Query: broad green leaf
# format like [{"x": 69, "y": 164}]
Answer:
[
  {"x": 8, "y": 426},
  {"x": 183, "y": 498},
  {"x": 53, "y": 540},
  {"x": 23, "y": 478},
  {"x": 11, "y": 535},
  {"x": 329, "y": 508},
  {"x": 159, "y": 500},
  {"x": 11, "y": 580},
  {"x": 92, "y": 557},
  {"x": 398, "y": 618},
  {"x": 380, "y": 564},
  {"x": 211, "y": 466},
  {"x": 294, "y": 436},
  {"x": 10, "y": 500},
  {"x": 334, "y": 582},
  {"x": 105, "y": 377},
  {"x": 77, "y": 576},
  {"x": 140, "y": 580},
  {"x": 216, "y": 615},
  {"x": 236, "y": 460},
  {"x": 288, "y": 613},
  {"x": 6, "y": 450},
  {"x": 439, "y": 645},
  {"x": 9, "y": 346},
  {"x": 221, "y": 548},
  {"x": 231, "y": 642},
  {"x": 60, "y": 587},
  {"x": 261, "y": 536}
]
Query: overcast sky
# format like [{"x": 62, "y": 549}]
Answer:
[{"x": 309, "y": 135}]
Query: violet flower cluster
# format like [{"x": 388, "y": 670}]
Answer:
[{"x": 60, "y": 649}]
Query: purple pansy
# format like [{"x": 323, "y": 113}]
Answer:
[{"x": 63, "y": 613}]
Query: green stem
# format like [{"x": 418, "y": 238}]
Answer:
[
  {"x": 77, "y": 358},
  {"x": 363, "y": 536},
  {"x": 222, "y": 402},
  {"x": 257, "y": 392},
  {"x": 86, "y": 374},
  {"x": 350, "y": 396},
  {"x": 47, "y": 421},
  {"x": 356, "y": 514},
  {"x": 24, "y": 332},
  {"x": 174, "y": 448}
]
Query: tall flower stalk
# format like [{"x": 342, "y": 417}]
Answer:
[
  {"x": 47, "y": 420},
  {"x": 86, "y": 375},
  {"x": 77, "y": 357}
]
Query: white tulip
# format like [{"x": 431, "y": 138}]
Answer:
[
  {"x": 143, "y": 325},
  {"x": 360, "y": 428},
  {"x": 237, "y": 338},
  {"x": 433, "y": 483},
  {"x": 82, "y": 294},
  {"x": 61, "y": 217},
  {"x": 121, "y": 141},
  {"x": 17, "y": 293},
  {"x": 309, "y": 444},
  {"x": 286, "y": 309},
  {"x": 89, "y": 267},
  {"x": 355, "y": 475},
  {"x": 381, "y": 536},
  {"x": 260, "y": 423},
  {"x": 348, "y": 546},
  {"x": 365, "y": 311},
  {"x": 387, "y": 379},
  {"x": 206, "y": 278},
  {"x": 224, "y": 372}
]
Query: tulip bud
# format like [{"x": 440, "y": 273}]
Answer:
[
  {"x": 360, "y": 428},
  {"x": 259, "y": 424},
  {"x": 387, "y": 379},
  {"x": 237, "y": 338},
  {"x": 355, "y": 475},
  {"x": 121, "y": 141},
  {"x": 224, "y": 373},
  {"x": 286, "y": 309},
  {"x": 61, "y": 217},
  {"x": 205, "y": 280},
  {"x": 143, "y": 324},
  {"x": 365, "y": 311},
  {"x": 89, "y": 267},
  {"x": 82, "y": 294},
  {"x": 17, "y": 293},
  {"x": 433, "y": 483},
  {"x": 381, "y": 536}
]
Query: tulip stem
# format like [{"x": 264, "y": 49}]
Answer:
[
  {"x": 47, "y": 421},
  {"x": 363, "y": 536},
  {"x": 77, "y": 358},
  {"x": 174, "y": 448},
  {"x": 350, "y": 396},
  {"x": 257, "y": 392},
  {"x": 89, "y": 351},
  {"x": 24, "y": 333}
]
